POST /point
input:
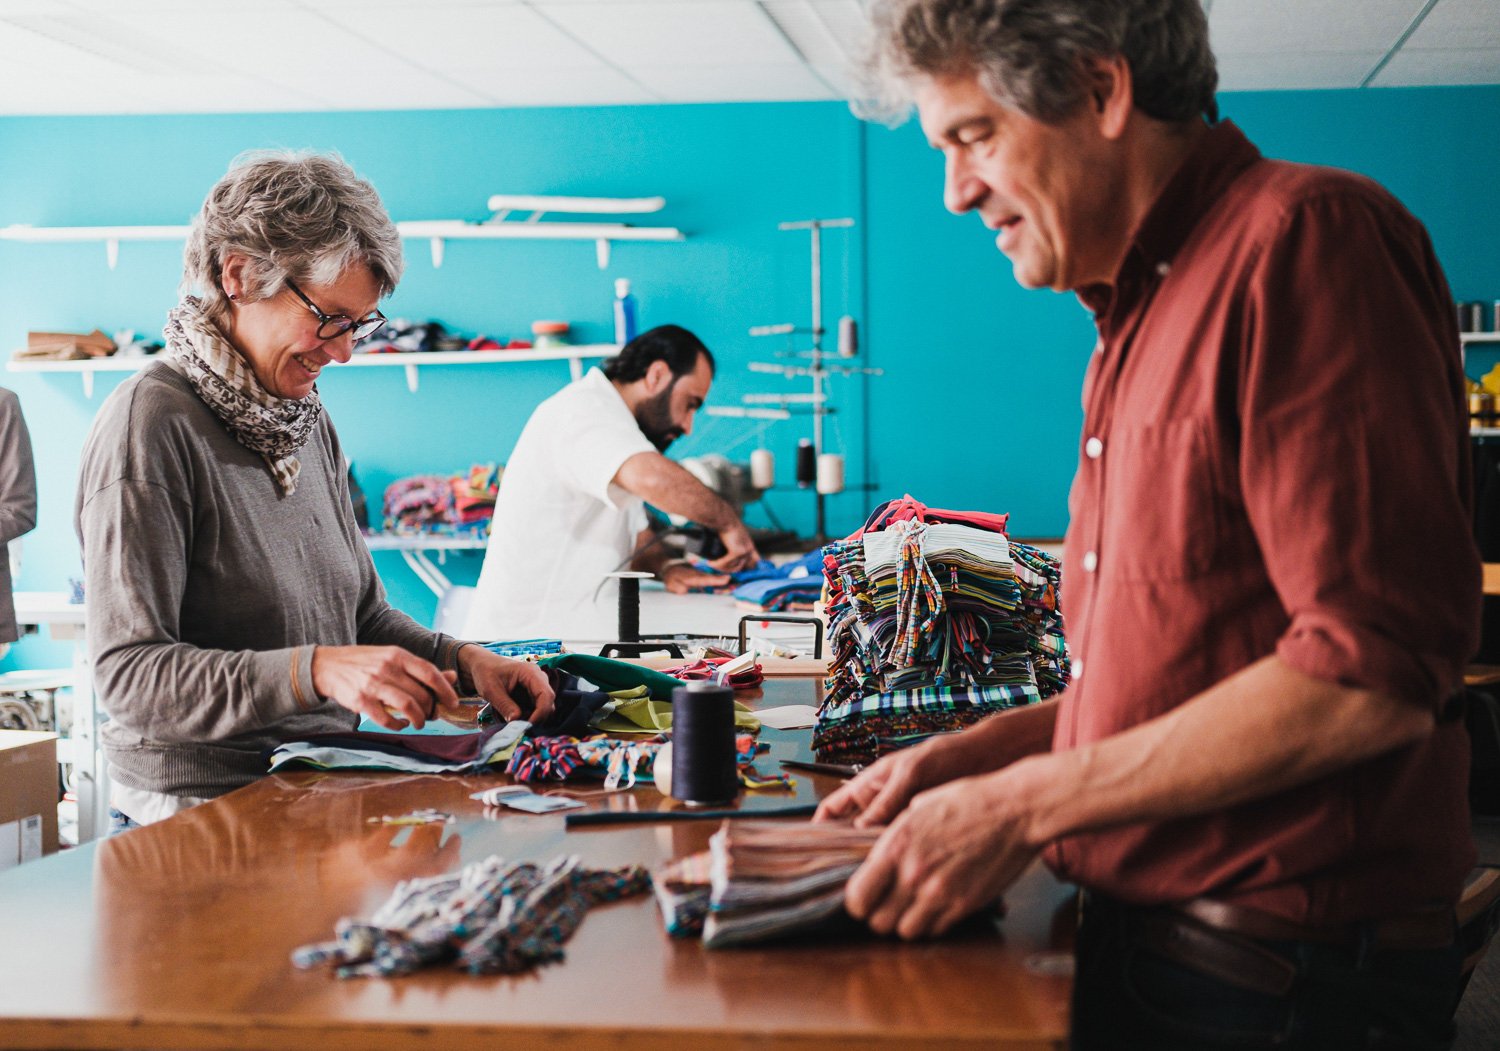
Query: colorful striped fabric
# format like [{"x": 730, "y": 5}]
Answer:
[{"x": 936, "y": 619}]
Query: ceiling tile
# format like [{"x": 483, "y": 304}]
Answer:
[
  {"x": 444, "y": 36},
  {"x": 735, "y": 83},
  {"x": 1462, "y": 24},
  {"x": 1268, "y": 27},
  {"x": 1414, "y": 67},
  {"x": 661, "y": 34},
  {"x": 1289, "y": 71},
  {"x": 603, "y": 86}
]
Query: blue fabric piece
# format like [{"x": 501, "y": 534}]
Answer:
[{"x": 762, "y": 592}]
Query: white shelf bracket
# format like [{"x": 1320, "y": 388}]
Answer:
[
  {"x": 112, "y": 251},
  {"x": 411, "y": 378},
  {"x": 88, "y": 384},
  {"x": 437, "y": 252},
  {"x": 601, "y": 249},
  {"x": 575, "y": 367}
]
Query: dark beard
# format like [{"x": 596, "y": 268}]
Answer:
[{"x": 654, "y": 417}]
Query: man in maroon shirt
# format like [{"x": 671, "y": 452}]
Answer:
[{"x": 1270, "y": 582}]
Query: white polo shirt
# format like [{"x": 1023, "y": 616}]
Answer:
[{"x": 560, "y": 522}]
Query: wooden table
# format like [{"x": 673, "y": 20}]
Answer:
[{"x": 177, "y": 935}]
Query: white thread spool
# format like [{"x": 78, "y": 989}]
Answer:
[
  {"x": 762, "y": 469},
  {"x": 830, "y": 473}
]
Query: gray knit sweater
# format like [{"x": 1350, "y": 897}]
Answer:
[{"x": 208, "y": 589}]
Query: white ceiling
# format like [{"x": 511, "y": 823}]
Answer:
[{"x": 199, "y": 56}]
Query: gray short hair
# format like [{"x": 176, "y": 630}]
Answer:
[
  {"x": 299, "y": 215},
  {"x": 1029, "y": 54}
]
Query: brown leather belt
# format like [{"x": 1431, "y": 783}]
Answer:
[{"x": 1418, "y": 930}]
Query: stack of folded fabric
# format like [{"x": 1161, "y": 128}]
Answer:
[
  {"x": 762, "y": 880},
  {"x": 936, "y": 619},
  {"x": 419, "y": 502},
  {"x": 474, "y": 495}
]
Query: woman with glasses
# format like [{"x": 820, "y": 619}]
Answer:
[{"x": 232, "y": 602}]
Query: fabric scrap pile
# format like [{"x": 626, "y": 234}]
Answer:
[
  {"x": 621, "y": 764},
  {"x": 936, "y": 619},
  {"x": 594, "y": 696},
  {"x": 490, "y": 917},
  {"x": 474, "y": 494},
  {"x": 431, "y": 503},
  {"x": 762, "y": 880}
]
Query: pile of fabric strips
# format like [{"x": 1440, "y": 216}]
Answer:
[
  {"x": 490, "y": 917},
  {"x": 621, "y": 763},
  {"x": 761, "y": 880},
  {"x": 936, "y": 619}
]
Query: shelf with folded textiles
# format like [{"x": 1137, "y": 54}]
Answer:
[
  {"x": 437, "y": 232},
  {"x": 573, "y": 354}
]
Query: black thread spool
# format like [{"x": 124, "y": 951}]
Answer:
[
  {"x": 807, "y": 464},
  {"x": 629, "y": 614},
  {"x": 703, "y": 767}
]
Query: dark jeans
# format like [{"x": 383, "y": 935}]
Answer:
[
  {"x": 118, "y": 823},
  {"x": 1126, "y": 995}
]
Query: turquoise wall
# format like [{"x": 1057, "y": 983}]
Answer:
[{"x": 979, "y": 403}]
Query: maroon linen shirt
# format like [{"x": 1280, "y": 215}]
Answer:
[{"x": 1271, "y": 459}]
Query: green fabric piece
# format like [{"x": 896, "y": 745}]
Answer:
[
  {"x": 610, "y": 675},
  {"x": 653, "y": 716}
]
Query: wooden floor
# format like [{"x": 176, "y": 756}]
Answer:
[{"x": 1479, "y": 1014}]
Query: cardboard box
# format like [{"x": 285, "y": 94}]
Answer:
[{"x": 28, "y": 796}]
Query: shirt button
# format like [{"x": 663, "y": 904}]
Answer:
[
  {"x": 1090, "y": 561},
  {"x": 1093, "y": 448},
  {"x": 1163, "y": 269}
]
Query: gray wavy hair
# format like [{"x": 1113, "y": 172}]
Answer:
[
  {"x": 293, "y": 214},
  {"x": 1029, "y": 54}
]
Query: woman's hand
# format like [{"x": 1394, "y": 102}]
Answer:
[
  {"x": 516, "y": 689},
  {"x": 391, "y": 686}
]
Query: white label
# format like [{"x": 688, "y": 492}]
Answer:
[
  {"x": 31, "y": 837},
  {"x": 10, "y": 845}
]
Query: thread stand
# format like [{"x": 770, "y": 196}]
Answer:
[{"x": 816, "y": 369}]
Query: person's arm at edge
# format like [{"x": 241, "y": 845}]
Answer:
[{"x": 1264, "y": 730}]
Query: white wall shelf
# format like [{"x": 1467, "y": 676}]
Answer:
[
  {"x": 411, "y": 362},
  {"x": 436, "y": 231},
  {"x": 1479, "y": 337}
]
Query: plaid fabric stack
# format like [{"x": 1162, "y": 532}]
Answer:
[{"x": 936, "y": 619}]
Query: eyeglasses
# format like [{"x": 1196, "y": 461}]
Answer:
[{"x": 331, "y": 326}]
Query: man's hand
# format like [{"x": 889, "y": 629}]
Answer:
[
  {"x": 681, "y": 577},
  {"x": 516, "y": 689},
  {"x": 878, "y": 794},
  {"x": 739, "y": 550},
  {"x": 955, "y": 850},
  {"x": 390, "y": 685}
]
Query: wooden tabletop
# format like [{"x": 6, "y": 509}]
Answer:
[{"x": 178, "y": 935}]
